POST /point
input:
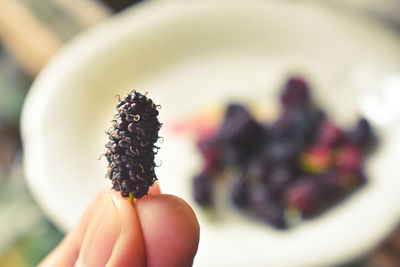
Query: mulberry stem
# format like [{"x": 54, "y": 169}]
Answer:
[{"x": 131, "y": 199}]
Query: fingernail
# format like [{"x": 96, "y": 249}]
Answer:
[{"x": 102, "y": 234}]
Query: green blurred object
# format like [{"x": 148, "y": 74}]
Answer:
[
  {"x": 31, "y": 248},
  {"x": 13, "y": 87},
  {"x": 26, "y": 235},
  {"x": 38, "y": 243}
]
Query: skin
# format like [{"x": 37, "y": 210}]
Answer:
[{"x": 159, "y": 230}]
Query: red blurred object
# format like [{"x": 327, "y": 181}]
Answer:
[
  {"x": 349, "y": 159},
  {"x": 317, "y": 159},
  {"x": 329, "y": 134}
]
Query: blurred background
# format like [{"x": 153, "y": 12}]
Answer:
[{"x": 31, "y": 32}]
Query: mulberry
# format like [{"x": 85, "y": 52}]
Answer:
[{"x": 131, "y": 147}]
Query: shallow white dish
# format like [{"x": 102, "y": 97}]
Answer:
[{"x": 190, "y": 54}]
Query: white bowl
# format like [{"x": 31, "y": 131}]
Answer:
[{"x": 190, "y": 54}]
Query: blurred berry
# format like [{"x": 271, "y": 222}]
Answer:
[
  {"x": 349, "y": 181},
  {"x": 316, "y": 159},
  {"x": 239, "y": 135},
  {"x": 330, "y": 185},
  {"x": 273, "y": 213},
  {"x": 329, "y": 134},
  {"x": 295, "y": 93},
  {"x": 278, "y": 180},
  {"x": 275, "y": 216},
  {"x": 300, "y": 126},
  {"x": 239, "y": 191},
  {"x": 263, "y": 207},
  {"x": 259, "y": 196},
  {"x": 281, "y": 152},
  {"x": 362, "y": 135},
  {"x": 210, "y": 154},
  {"x": 301, "y": 196},
  {"x": 202, "y": 189},
  {"x": 349, "y": 159},
  {"x": 256, "y": 170}
]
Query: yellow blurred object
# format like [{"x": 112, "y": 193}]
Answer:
[
  {"x": 26, "y": 38},
  {"x": 34, "y": 31},
  {"x": 13, "y": 257}
]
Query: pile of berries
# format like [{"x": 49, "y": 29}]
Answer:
[
  {"x": 295, "y": 167},
  {"x": 130, "y": 149}
]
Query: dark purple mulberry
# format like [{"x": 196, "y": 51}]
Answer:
[
  {"x": 362, "y": 135},
  {"x": 296, "y": 93},
  {"x": 240, "y": 135},
  {"x": 130, "y": 149},
  {"x": 203, "y": 189}
]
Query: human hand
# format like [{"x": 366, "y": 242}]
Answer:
[{"x": 160, "y": 230}]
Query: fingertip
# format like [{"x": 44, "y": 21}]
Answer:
[
  {"x": 170, "y": 230},
  {"x": 129, "y": 249},
  {"x": 155, "y": 189}
]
